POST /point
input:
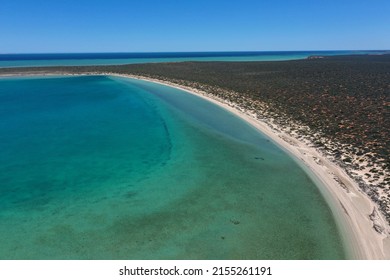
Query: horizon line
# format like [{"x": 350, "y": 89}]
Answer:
[{"x": 211, "y": 51}]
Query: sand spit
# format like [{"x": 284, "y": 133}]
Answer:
[{"x": 363, "y": 227}]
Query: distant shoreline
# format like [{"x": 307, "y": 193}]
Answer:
[
  {"x": 123, "y": 58},
  {"x": 356, "y": 213}
]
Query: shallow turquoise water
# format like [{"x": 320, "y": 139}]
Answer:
[{"x": 111, "y": 168}]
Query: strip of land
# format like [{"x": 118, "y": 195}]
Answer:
[{"x": 348, "y": 154}]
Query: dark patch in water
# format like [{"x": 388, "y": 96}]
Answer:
[
  {"x": 131, "y": 194},
  {"x": 259, "y": 158}
]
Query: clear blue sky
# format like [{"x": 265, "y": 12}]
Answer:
[{"x": 29, "y": 26}]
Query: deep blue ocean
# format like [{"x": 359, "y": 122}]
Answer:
[
  {"x": 80, "y": 59},
  {"x": 100, "y": 167}
]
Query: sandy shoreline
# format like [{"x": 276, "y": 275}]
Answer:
[
  {"x": 356, "y": 214},
  {"x": 351, "y": 207}
]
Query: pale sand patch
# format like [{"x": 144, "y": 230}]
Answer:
[{"x": 353, "y": 209}]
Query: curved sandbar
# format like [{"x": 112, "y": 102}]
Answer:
[{"x": 355, "y": 213}]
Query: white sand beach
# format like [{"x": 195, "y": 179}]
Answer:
[{"x": 355, "y": 212}]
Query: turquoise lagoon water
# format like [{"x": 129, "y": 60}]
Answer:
[
  {"x": 82, "y": 59},
  {"x": 110, "y": 168}
]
